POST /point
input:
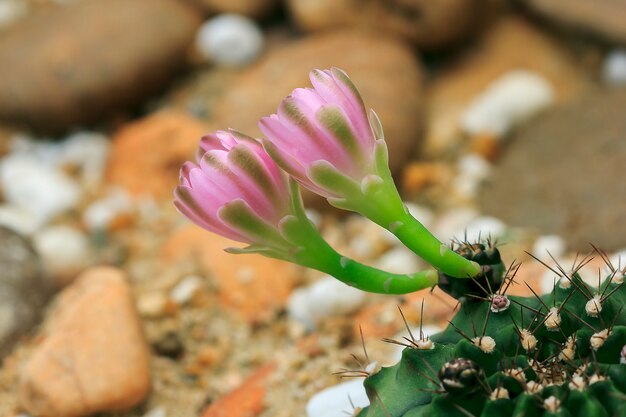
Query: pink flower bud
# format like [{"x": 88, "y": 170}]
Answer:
[
  {"x": 325, "y": 129},
  {"x": 235, "y": 190}
]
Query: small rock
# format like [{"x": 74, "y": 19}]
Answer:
[
  {"x": 11, "y": 11},
  {"x": 553, "y": 244},
  {"x": 418, "y": 176},
  {"x": 491, "y": 58},
  {"x": 64, "y": 250},
  {"x": 474, "y": 166},
  {"x": 169, "y": 345},
  {"x": 147, "y": 154},
  {"x": 102, "y": 214},
  {"x": 89, "y": 152},
  {"x": 156, "y": 412},
  {"x": 18, "y": 219},
  {"x": 472, "y": 171},
  {"x": 510, "y": 99},
  {"x": 614, "y": 68},
  {"x": 482, "y": 228},
  {"x": 248, "y": 400},
  {"x": 372, "y": 61},
  {"x": 452, "y": 221},
  {"x": 399, "y": 260},
  {"x": 423, "y": 214},
  {"x": 250, "y": 8},
  {"x": 327, "y": 297},
  {"x": 24, "y": 290},
  {"x": 40, "y": 189},
  {"x": 152, "y": 304},
  {"x": 229, "y": 40},
  {"x": 84, "y": 62},
  {"x": 93, "y": 356},
  {"x": 603, "y": 18},
  {"x": 252, "y": 285},
  {"x": 339, "y": 400},
  {"x": 185, "y": 289},
  {"x": 430, "y": 25}
]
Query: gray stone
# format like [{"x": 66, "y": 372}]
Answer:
[
  {"x": 563, "y": 174},
  {"x": 24, "y": 290}
]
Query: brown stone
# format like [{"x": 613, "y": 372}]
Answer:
[
  {"x": 497, "y": 53},
  {"x": 385, "y": 71},
  {"x": 251, "y": 284},
  {"x": 564, "y": 174},
  {"x": 93, "y": 356},
  {"x": 248, "y": 400},
  {"x": 147, "y": 155},
  {"x": 75, "y": 64},
  {"x": 428, "y": 24},
  {"x": 603, "y": 18},
  {"x": 250, "y": 8}
]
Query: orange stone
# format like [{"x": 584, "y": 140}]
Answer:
[
  {"x": 254, "y": 285},
  {"x": 146, "y": 155},
  {"x": 486, "y": 146},
  {"x": 420, "y": 175},
  {"x": 248, "y": 400},
  {"x": 93, "y": 356}
]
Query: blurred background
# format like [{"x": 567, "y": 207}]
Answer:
[{"x": 504, "y": 118}]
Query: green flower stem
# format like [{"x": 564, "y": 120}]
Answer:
[
  {"x": 311, "y": 250},
  {"x": 364, "y": 277},
  {"x": 385, "y": 207},
  {"x": 417, "y": 238}
]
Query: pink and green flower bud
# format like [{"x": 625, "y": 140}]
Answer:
[
  {"x": 324, "y": 137},
  {"x": 236, "y": 190}
]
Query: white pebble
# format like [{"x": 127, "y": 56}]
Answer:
[
  {"x": 151, "y": 304},
  {"x": 553, "y": 244},
  {"x": 614, "y": 68},
  {"x": 65, "y": 250},
  {"x": 483, "y": 227},
  {"x": 475, "y": 166},
  {"x": 422, "y": 214},
  {"x": 88, "y": 151},
  {"x": 100, "y": 214},
  {"x": 448, "y": 225},
  {"x": 510, "y": 99},
  {"x": 230, "y": 40},
  {"x": 42, "y": 190},
  {"x": 11, "y": 11},
  {"x": 156, "y": 412},
  {"x": 338, "y": 400},
  {"x": 399, "y": 260},
  {"x": 185, "y": 289},
  {"x": 18, "y": 219},
  {"x": 325, "y": 298}
]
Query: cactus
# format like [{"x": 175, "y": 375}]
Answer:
[{"x": 559, "y": 354}]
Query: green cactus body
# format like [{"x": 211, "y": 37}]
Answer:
[{"x": 558, "y": 354}]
